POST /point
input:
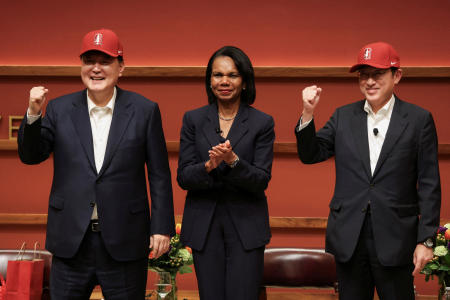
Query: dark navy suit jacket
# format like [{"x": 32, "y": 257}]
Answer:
[
  {"x": 404, "y": 191},
  {"x": 242, "y": 188},
  {"x": 136, "y": 140}
]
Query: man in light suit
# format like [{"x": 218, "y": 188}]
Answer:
[
  {"x": 99, "y": 227},
  {"x": 385, "y": 209}
]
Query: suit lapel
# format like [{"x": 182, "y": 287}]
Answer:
[
  {"x": 82, "y": 124},
  {"x": 212, "y": 126},
  {"x": 396, "y": 126},
  {"x": 359, "y": 131},
  {"x": 122, "y": 115},
  {"x": 239, "y": 127},
  {"x": 237, "y": 130}
]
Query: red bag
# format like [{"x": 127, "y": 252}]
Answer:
[
  {"x": 2, "y": 288},
  {"x": 25, "y": 277}
]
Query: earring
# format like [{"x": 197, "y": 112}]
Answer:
[{"x": 243, "y": 88}]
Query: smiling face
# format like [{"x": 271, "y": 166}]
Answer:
[
  {"x": 377, "y": 85},
  {"x": 100, "y": 73},
  {"x": 226, "y": 82}
]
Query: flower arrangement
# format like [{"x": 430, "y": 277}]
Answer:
[
  {"x": 440, "y": 264},
  {"x": 177, "y": 260}
]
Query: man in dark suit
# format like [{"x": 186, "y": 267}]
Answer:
[
  {"x": 99, "y": 227},
  {"x": 385, "y": 209}
]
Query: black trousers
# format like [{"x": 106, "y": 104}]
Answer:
[
  {"x": 359, "y": 277},
  {"x": 75, "y": 278},
  {"x": 224, "y": 269}
]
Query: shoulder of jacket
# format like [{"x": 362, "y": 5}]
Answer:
[
  {"x": 135, "y": 98},
  {"x": 198, "y": 111},
  {"x": 258, "y": 113},
  {"x": 411, "y": 108}
]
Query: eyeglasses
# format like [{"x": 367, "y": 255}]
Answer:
[{"x": 375, "y": 75}]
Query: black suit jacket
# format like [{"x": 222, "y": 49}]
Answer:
[
  {"x": 135, "y": 140},
  {"x": 404, "y": 192},
  {"x": 242, "y": 188}
]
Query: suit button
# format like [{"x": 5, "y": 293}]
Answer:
[
  {"x": 92, "y": 204},
  {"x": 363, "y": 210}
]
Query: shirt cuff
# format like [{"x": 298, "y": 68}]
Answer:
[
  {"x": 32, "y": 118},
  {"x": 302, "y": 125}
]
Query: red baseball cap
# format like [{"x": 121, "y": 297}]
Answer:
[
  {"x": 378, "y": 55},
  {"x": 103, "y": 40}
]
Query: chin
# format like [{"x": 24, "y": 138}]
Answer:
[
  {"x": 96, "y": 87},
  {"x": 372, "y": 98},
  {"x": 227, "y": 99}
]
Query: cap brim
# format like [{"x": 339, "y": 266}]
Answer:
[
  {"x": 100, "y": 50},
  {"x": 359, "y": 66}
]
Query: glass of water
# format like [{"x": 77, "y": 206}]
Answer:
[{"x": 163, "y": 284}]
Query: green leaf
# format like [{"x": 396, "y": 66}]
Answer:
[
  {"x": 444, "y": 268},
  {"x": 185, "y": 270},
  {"x": 434, "y": 267},
  {"x": 446, "y": 259},
  {"x": 426, "y": 271}
]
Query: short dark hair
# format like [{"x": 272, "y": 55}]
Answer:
[
  {"x": 119, "y": 58},
  {"x": 245, "y": 69},
  {"x": 394, "y": 70}
]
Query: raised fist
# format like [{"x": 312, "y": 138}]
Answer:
[
  {"x": 37, "y": 99},
  {"x": 311, "y": 96}
]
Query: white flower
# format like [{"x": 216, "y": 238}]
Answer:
[
  {"x": 184, "y": 254},
  {"x": 447, "y": 225},
  {"x": 440, "y": 251}
]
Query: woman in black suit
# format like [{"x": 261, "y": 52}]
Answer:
[{"x": 226, "y": 153}]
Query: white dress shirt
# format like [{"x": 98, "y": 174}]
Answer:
[
  {"x": 380, "y": 121},
  {"x": 100, "y": 117}
]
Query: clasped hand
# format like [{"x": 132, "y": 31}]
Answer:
[
  {"x": 159, "y": 244},
  {"x": 217, "y": 154}
]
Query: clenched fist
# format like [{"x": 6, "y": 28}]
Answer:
[
  {"x": 311, "y": 96},
  {"x": 37, "y": 99}
]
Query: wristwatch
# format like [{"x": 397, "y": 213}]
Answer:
[
  {"x": 429, "y": 243},
  {"x": 234, "y": 163}
]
